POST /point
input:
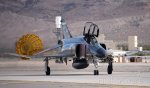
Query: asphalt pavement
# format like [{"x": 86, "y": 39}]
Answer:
[{"x": 31, "y": 74}]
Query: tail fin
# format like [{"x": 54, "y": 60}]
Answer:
[
  {"x": 62, "y": 31},
  {"x": 66, "y": 32}
]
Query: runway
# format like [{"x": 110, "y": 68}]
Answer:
[{"x": 135, "y": 74}]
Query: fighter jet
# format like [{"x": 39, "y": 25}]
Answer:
[{"x": 80, "y": 49}]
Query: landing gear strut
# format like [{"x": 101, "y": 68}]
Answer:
[
  {"x": 96, "y": 72},
  {"x": 110, "y": 65},
  {"x": 47, "y": 68}
]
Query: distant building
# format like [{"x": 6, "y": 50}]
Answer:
[
  {"x": 119, "y": 59},
  {"x": 140, "y": 48},
  {"x": 132, "y": 42},
  {"x": 119, "y": 56},
  {"x": 131, "y": 59},
  {"x": 110, "y": 44},
  {"x": 144, "y": 59}
]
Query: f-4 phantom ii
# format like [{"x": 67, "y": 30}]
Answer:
[{"x": 80, "y": 49}]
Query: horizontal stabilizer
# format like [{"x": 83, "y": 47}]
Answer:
[
  {"x": 58, "y": 56},
  {"x": 49, "y": 49},
  {"x": 17, "y": 55}
]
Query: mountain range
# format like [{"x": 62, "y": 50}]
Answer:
[{"x": 117, "y": 19}]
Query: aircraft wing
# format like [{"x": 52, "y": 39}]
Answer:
[
  {"x": 40, "y": 54},
  {"x": 49, "y": 49},
  {"x": 130, "y": 53},
  {"x": 37, "y": 54},
  {"x": 56, "y": 56},
  {"x": 17, "y": 55}
]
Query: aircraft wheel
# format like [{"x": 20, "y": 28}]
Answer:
[
  {"x": 48, "y": 70},
  {"x": 96, "y": 72},
  {"x": 110, "y": 69}
]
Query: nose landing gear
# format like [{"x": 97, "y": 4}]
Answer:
[{"x": 96, "y": 72}]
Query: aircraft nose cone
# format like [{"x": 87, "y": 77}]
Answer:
[{"x": 101, "y": 53}]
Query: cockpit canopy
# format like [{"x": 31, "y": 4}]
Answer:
[{"x": 91, "y": 29}]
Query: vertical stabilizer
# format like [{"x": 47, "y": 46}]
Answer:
[
  {"x": 62, "y": 31},
  {"x": 66, "y": 32}
]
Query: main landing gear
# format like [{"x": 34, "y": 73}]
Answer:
[
  {"x": 109, "y": 59},
  {"x": 47, "y": 68},
  {"x": 95, "y": 62},
  {"x": 110, "y": 68},
  {"x": 110, "y": 65}
]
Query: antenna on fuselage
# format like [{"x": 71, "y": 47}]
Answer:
[{"x": 65, "y": 30}]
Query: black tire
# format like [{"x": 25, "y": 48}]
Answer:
[
  {"x": 109, "y": 69},
  {"x": 47, "y": 71},
  {"x": 96, "y": 72}
]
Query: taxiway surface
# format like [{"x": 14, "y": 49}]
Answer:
[{"x": 135, "y": 74}]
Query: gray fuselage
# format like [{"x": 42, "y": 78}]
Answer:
[{"x": 92, "y": 48}]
